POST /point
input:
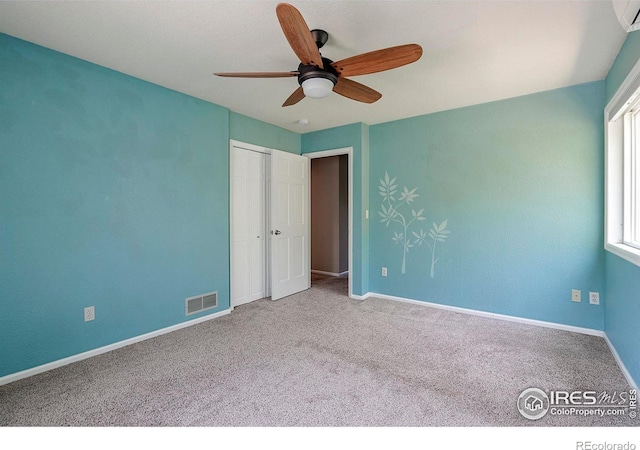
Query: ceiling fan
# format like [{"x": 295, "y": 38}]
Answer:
[{"x": 317, "y": 75}]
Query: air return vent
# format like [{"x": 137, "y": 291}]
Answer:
[{"x": 199, "y": 303}]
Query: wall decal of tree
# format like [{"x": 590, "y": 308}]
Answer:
[
  {"x": 390, "y": 211},
  {"x": 438, "y": 233}
]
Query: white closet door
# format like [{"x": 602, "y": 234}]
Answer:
[{"x": 248, "y": 226}]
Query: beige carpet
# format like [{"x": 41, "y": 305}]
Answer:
[{"x": 320, "y": 359}]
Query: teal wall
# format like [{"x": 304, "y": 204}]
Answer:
[
  {"x": 622, "y": 313},
  {"x": 113, "y": 193},
  {"x": 622, "y": 295},
  {"x": 357, "y": 136},
  {"x": 252, "y": 131},
  {"x": 519, "y": 183}
]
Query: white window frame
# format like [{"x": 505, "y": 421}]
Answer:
[
  {"x": 631, "y": 235},
  {"x": 620, "y": 181}
]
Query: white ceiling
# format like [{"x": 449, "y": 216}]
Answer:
[{"x": 474, "y": 51}]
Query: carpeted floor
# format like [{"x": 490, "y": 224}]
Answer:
[{"x": 320, "y": 359}]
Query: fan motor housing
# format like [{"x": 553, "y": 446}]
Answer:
[{"x": 307, "y": 72}]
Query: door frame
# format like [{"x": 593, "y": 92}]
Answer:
[
  {"x": 313, "y": 155},
  {"x": 267, "y": 151},
  {"x": 337, "y": 152}
]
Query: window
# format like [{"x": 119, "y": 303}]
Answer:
[
  {"x": 631, "y": 190},
  {"x": 622, "y": 171}
]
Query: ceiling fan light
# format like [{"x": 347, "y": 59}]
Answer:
[{"x": 317, "y": 87}]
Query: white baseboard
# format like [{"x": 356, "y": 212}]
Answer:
[
  {"x": 540, "y": 323},
  {"x": 107, "y": 348},
  {"x": 623, "y": 368},
  {"x": 474, "y": 312},
  {"x": 331, "y": 274}
]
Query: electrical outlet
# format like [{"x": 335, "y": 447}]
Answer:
[
  {"x": 594, "y": 298},
  {"x": 89, "y": 313},
  {"x": 576, "y": 295},
  {"x": 384, "y": 271}
]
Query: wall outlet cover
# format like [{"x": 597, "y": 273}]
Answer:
[
  {"x": 576, "y": 295},
  {"x": 89, "y": 313}
]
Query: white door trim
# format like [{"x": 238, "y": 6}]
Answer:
[
  {"x": 246, "y": 146},
  {"x": 337, "y": 152}
]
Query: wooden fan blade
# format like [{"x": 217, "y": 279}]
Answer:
[
  {"x": 297, "y": 33},
  {"x": 257, "y": 74},
  {"x": 378, "y": 60},
  {"x": 356, "y": 91},
  {"x": 294, "y": 98}
]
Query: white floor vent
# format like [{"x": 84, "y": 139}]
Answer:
[{"x": 200, "y": 303}]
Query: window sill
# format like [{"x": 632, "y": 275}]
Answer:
[{"x": 624, "y": 251}]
